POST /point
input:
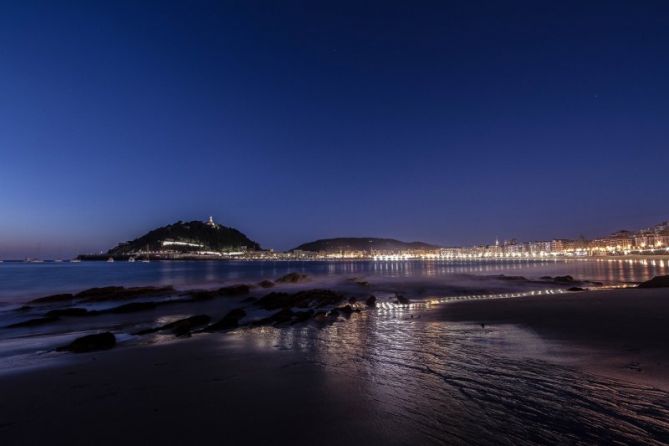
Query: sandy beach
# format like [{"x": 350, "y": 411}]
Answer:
[
  {"x": 187, "y": 392},
  {"x": 621, "y": 333},
  {"x": 383, "y": 377}
]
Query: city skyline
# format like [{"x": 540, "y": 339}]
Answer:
[
  {"x": 448, "y": 124},
  {"x": 647, "y": 240}
]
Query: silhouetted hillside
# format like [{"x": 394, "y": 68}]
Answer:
[
  {"x": 212, "y": 238},
  {"x": 362, "y": 244}
]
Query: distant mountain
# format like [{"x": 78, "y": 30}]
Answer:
[
  {"x": 187, "y": 237},
  {"x": 362, "y": 244}
]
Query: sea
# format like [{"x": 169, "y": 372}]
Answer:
[{"x": 21, "y": 281}]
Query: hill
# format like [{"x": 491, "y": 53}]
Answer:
[
  {"x": 362, "y": 244},
  {"x": 185, "y": 237}
]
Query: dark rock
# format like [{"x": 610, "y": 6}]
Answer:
[
  {"x": 132, "y": 307},
  {"x": 266, "y": 284},
  {"x": 100, "y": 292},
  {"x": 293, "y": 278},
  {"x": 563, "y": 279},
  {"x": 352, "y": 300},
  {"x": 34, "y": 322},
  {"x": 229, "y": 321},
  {"x": 346, "y": 309},
  {"x": 320, "y": 316},
  {"x": 204, "y": 295},
  {"x": 334, "y": 313},
  {"x": 68, "y": 312},
  {"x": 371, "y": 301},
  {"x": 228, "y": 291},
  {"x": 401, "y": 299},
  {"x": 301, "y": 299},
  {"x": 576, "y": 288},
  {"x": 546, "y": 278},
  {"x": 511, "y": 278},
  {"x": 106, "y": 293},
  {"x": 362, "y": 283},
  {"x": 24, "y": 308},
  {"x": 55, "y": 298},
  {"x": 183, "y": 327},
  {"x": 280, "y": 317},
  {"x": 90, "y": 343},
  {"x": 656, "y": 282},
  {"x": 235, "y": 290},
  {"x": 301, "y": 316},
  {"x": 121, "y": 293}
]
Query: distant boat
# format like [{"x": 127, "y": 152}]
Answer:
[
  {"x": 131, "y": 260},
  {"x": 34, "y": 261},
  {"x": 58, "y": 261},
  {"x": 75, "y": 261},
  {"x": 110, "y": 260}
]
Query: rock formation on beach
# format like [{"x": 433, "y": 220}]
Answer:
[
  {"x": 90, "y": 343},
  {"x": 656, "y": 282}
]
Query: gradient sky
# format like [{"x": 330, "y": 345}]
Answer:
[{"x": 447, "y": 122}]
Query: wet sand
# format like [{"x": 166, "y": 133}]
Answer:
[
  {"x": 200, "y": 391},
  {"x": 622, "y": 333},
  {"x": 381, "y": 378}
]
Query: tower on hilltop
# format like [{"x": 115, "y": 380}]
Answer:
[{"x": 211, "y": 223}]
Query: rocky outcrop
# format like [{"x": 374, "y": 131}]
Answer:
[
  {"x": 656, "y": 282},
  {"x": 227, "y": 291},
  {"x": 181, "y": 327},
  {"x": 34, "y": 322},
  {"x": 90, "y": 343},
  {"x": 282, "y": 316},
  {"x": 74, "y": 311},
  {"x": 266, "y": 284},
  {"x": 131, "y": 307},
  {"x": 229, "y": 321},
  {"x": 55, "y": 298},
  {"x": 293, "y": 278},
  {"x": 400, "y": 299},
  {"x": 104, "y": 294},
  {"x": 371, "y": 301},
  {"x": 302, "y": 299}
]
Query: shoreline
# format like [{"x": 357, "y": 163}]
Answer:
[
  {"x": 368, "y": 379},
  {"x": 620, "y": 333},
  {"x": 158, "y": 258}
]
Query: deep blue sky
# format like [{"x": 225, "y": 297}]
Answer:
[{"x": 448, "y": 122}]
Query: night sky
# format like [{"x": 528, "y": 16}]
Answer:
[{"x": 446, "y": 122}]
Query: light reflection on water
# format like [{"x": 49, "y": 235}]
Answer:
[
  {"x": 443, "y": 383},
  {"x": 21, "y": 281}
]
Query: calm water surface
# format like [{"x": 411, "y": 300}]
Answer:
[{"x": 22, "y": 281}]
